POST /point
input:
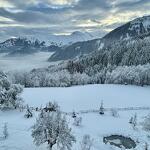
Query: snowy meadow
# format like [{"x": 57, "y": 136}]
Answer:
[{"x": 85, "y": 101}]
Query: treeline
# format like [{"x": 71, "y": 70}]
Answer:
[
  {"x": 124, "y": 62},
  {"x": 123, "y": 53},
  {"x": 134, "y": 75}
]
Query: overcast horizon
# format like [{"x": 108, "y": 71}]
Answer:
[{"x": 45, "y": 17}]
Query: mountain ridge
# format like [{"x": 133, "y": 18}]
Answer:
[{"x": 135, "y": 28}]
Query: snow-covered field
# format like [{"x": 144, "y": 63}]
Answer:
[
  {"x": 90, "y": 96},
  {"x": 81, "y": 98},
  {"x": 26, "y": 62}
]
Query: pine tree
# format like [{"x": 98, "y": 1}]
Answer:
[
  {"x": 9, "y": 93},
  {"x": 101, "y": 111},
  {"x": 134, "y": 121}
]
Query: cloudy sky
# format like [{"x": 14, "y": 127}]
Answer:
[{"x": 44, "y": 17}]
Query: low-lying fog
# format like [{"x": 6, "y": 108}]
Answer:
[{"x": 26, "y": 62}]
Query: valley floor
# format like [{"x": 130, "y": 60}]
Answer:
[
  {"x": 77, "y": 99},
  {"x": 24, "y": 62}
]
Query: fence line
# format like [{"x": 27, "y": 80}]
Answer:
[
  {"x": 115, "y": 108},
  {"x": 85, "y": 111}
]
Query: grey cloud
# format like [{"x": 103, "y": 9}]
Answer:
[
  {"x": 35, "y": 18},
  {"x": 140, "y": 5},
  {"x": 93, "y": 4},
  {"x": 56, "y": 18}
]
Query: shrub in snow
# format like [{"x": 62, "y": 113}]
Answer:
[
  {"x": 41, "y": 115},
  {"x": 146, "y": 123},
  {"x": 53, "y": 129},
  {"x": 114, "y": 113},
  {"x": 146, "y": 146},
  {"x": 36, "y": 109},
  {"x": 101, "y": 110},
  {"x": 74, "y": 114},
  {"x": 28, "y": 113},
  {"x": 21, "y": 108},
  {"x": 5, "y": 131},
  {"x": 133, "y": 121},
  {"x": 77, "y": 121},
  {"x": 9, "y": 93},
  {"x": 51, "y": 107},
  {"x": 123, "y": 148},
  {"x": 86, "y": 143}
]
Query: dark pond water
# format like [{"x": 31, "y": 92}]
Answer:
[{"x": 120, "y": 141}]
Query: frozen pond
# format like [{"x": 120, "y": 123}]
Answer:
[{"x": 120, "y": 141}]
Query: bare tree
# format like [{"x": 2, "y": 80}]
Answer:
[
  {"x": 133, "y": 121},
  {"x": 53, "y": 129},
  {"x": 146, "y": 123},
  {"x": 5, "y": 131},
  {"x": 77, "y": 121},
  {"x": 114, "y": 113}
]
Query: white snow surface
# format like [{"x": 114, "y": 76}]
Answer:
[
  {"x": 89, "y": 96},
  {"x": 81, "y": 98}
]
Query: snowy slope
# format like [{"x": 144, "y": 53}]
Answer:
[{"x": 134, "y": 28}]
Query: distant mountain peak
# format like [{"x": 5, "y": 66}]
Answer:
[{"x": 76, "y": 33}]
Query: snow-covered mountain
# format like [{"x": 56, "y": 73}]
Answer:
[
  {"x": 80, "y": 36},
  {"x": 63, "y": 40},
  {"x": 77, "y": 43},
  {"x": 21, "y": 46},
  {"x": 28, "y": 45},
  {"x": 137, "y": 28}
]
